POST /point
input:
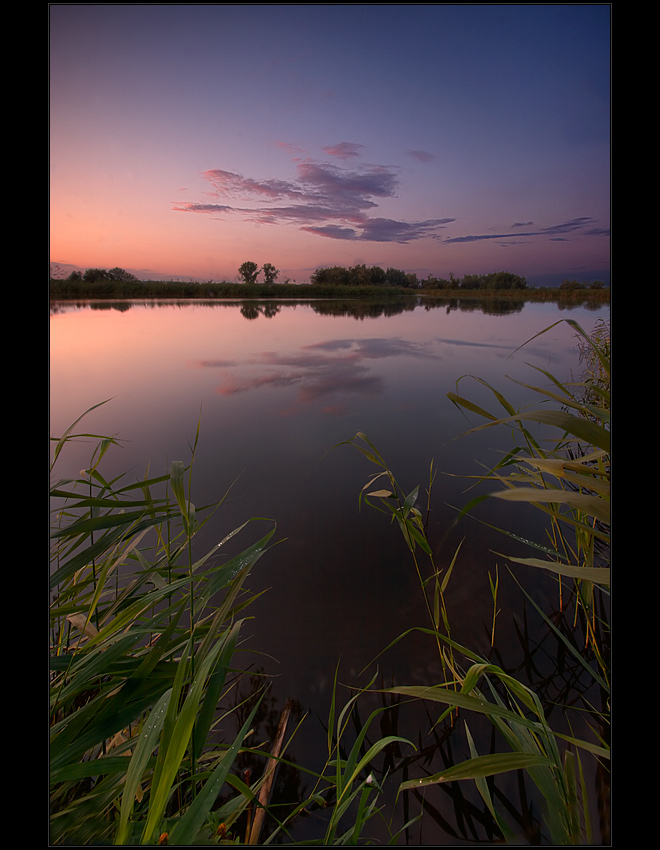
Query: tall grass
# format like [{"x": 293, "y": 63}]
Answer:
[
  {"x": 569, "y": 482},
  {"x": 145, "y": 663},
  {"x": 144, "y": 640}
]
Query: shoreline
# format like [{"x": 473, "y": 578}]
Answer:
[{"x": 159, "y": 290}]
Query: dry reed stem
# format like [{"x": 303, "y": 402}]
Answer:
[{"x": 269, "y": 773}]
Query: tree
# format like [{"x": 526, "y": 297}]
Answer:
[
  {"x": 121, "y": 274},
  {"x": 472, "y": 281},
  {"x": 436, "y": 283},
  {"x": 396, "y": 277},
  {"x": 249, "y": 271},
  {"x": 333, "y": 276},
  {"x": 95, "y": 275},
  {"x": 102, "y": 276},
  {"x": 270, "y": 272},
  {"x": 503, "y": 280}
]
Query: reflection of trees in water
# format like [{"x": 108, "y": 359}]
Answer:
[
  {"x": 252, "y": 309},
  {"x": 490, "y": 306},
  {"x": 362, "y": 309},
  {"x": 57, "y": 307},
  {"x": 359, "y": 309},
  {"x": 563, "y": 305}
]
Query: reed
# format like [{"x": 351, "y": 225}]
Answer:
[
  {"x": 79, "y": 289},
  {"x": 346, "y": 789},
  {"x": 570, "y": 483},
  {"x": 570, "y": 480},
  {"x": 144, "y": 643},
  {"x": 144, "y": 662}
]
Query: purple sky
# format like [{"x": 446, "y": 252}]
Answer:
[{"x": 433, "y": 138}]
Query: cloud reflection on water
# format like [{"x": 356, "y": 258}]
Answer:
[{"x": 321, "y": 371}]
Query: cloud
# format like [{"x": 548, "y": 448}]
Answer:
[
  {"x": 387, "y": 230},
  {"x": 344, "y": 150},
  {"x": 422, "y": 156},
  {"x": 383, "y": 230},
  {"x": 203, "y": 208},
  {"x": 324, "y": 199},
  {"x": 228, "y": 183},
  {"x": 333, "y": 231},
  {"x": 353, "y": 188},
  {"x": 554, "y": 231}
]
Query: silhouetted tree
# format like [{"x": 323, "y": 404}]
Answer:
[
  {"x": 95, "y": 275},
  {"x": 101, "y": 275},
  {"x": 249, "y": 271},
  {"x": 332, "y": 276},
  {"x": 120, "y": 274},
  {"x": 270, "y": 272},
  {"x": 396, "y": 277},
  {"x": 503, "y": 280},
  {"x": 471, "y": 281}
]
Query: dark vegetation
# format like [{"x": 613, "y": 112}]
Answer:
[{"x": 358, "y": 281}]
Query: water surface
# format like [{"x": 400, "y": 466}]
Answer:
[{"x": 276, "y": 387}]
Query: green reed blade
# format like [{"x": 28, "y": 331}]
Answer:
[
  {"x": 146, "y": 744},
  {"x": 176, "y": 742},
  {"x": 478, "y": 768},
  {"x": 598, "y": 575},
  {"x": 186, "y": 829}
]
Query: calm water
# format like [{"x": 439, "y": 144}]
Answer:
[{"x": 276, "y": 388}]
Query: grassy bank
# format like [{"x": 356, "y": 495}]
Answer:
[
  {"x": 69, "y": 290},
  {"x": 62, "y": 290}
]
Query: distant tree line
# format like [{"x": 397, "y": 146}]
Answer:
[
  {"x": 578, "y": 284},
  {"x": 362, "y": 275},
  {"x": 102, "y": 275},
  {"x": 492, "y": 280}
]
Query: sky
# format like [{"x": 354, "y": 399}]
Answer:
[{"x": 438, "y": 139}]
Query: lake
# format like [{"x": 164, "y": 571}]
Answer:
[{"x": 276, "y": 388}]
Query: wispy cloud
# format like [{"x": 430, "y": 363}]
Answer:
[
  {"x": 554, "y": 232},
  {"x": 324, "y": 199},
  {"x": 337, "y": 200},
  {"x": 422, "y": 156},
  {"x": 384, "y": 230},
  {"x": 344, "y": 150}
]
